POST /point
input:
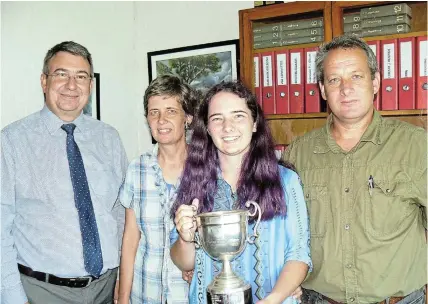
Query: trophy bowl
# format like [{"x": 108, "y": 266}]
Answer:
[{"x": 223, "y": 236}]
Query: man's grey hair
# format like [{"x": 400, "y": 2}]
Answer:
[
  {"x": 344, "y": 42},
  {"x": 69, "y": 47}
]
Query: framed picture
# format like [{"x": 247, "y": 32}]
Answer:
[
  {"x": 201, "y": 66},
  {"x": 93, "y": 106}
]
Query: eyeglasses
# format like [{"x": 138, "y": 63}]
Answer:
[{"x": 63, "y": 77}]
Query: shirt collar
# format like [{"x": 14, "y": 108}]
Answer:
[
  {"x": 54, "y": 123},
  {"x": 327, "y": 143},
  {"x": 153, "y": 157},
  {"x": 153, "y": 161},
  {"x": 372, "y": 133}
]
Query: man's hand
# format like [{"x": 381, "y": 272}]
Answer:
[
  {"x": 187, "y": 276},
  {"x": 116, "y": 293},
  {"x": 273, "y": 299}
]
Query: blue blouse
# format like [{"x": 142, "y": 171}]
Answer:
[{"x": 281, "y": 239}]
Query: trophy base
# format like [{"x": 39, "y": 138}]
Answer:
[{"x": 232, "y": 297}]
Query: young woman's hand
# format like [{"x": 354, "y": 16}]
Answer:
[{"x": 185, "y": 220}]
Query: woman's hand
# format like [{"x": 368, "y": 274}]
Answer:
[{"x": 185, "y": 220}]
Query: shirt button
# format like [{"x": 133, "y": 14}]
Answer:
[
  {"x": 307, "y": 195},
  {"x": 349, "y": 266},
  {"x": 347, "y": 226},
  {"x": 346, "y": 190},
  {"x": 352, "y": 299},
  {"x": 388, "y": 190}
]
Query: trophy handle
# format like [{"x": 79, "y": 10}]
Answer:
[
  {"x": 251, "y": 239},
  {"x": 196, "y": 240}
]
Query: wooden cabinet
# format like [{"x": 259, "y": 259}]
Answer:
[{"x": 287, "y": 127}]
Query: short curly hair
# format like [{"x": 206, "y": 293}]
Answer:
[{"x": 173, "y": 86}]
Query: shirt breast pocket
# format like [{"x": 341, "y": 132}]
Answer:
[
  {"x": 317, "y": 201},
  {"x": 104, "y": 187},
  {"x": 386, "y": 207}
]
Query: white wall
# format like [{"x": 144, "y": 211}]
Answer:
[{"x": 119, "y": 35}]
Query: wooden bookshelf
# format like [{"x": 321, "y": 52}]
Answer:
[
  {"x": 287, "y": 127},
  {"x": 268, "y": 14}
]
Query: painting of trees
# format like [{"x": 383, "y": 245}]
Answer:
[
  {"x": 201, "y": 66},
  {"x": 193, "y": 67},
  {"x": 200, "y": 71}
]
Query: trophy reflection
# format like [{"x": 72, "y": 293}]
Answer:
[{"x": 223, "y": 236}]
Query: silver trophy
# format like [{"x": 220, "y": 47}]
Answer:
[{"x": 223, "y": 236}]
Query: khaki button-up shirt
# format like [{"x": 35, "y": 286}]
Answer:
[{"x": 366, "y": 243}]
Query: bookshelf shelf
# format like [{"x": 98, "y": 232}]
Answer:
[
  {"x": 297, "y": 116},
  {"x": 324, "y": 114},
  {"x": 404, "y": 112},
  {"x": 294, "y": 46},
  {"x": 411, "y": 34}
]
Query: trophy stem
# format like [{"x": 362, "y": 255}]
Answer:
[
  {"x": 227, "y": 278},
  {"x": 227, "y": 269},
  {"x": 228, "y": 288}
]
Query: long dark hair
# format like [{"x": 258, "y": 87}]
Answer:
[{"x": 259, "y": 179}]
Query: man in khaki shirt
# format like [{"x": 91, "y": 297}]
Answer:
[{"x": 365, "y": 184}]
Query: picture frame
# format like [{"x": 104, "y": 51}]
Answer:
[
  {"x": 93, "y": 106},
  {"x": 215, "y": 62}
]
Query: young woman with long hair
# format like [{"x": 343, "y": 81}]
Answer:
[{"x": 231, "y": 160}]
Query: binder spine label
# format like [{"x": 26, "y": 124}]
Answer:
[
  {"x": 406, "y": 59},
  {"x": 388, "y": 61},
  {"x": 423, "y": 58},
  {"x": 281, "y": 65},
  {"x": 267, "y": 72},
  {"x": 256, "y": 72},
  {"x": 311, "y": 76},
  {"x": 373, "y": 47},
  {"x": 295, "y": 68}
]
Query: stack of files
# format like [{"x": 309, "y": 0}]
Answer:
[
  {"x": 385, "y": 20},
  {"x": 352, "y": 24},
  {"x": 403, "y": 65},
  {"x": 288, "y": 33},
  {"x": 285, "y": 81}
]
